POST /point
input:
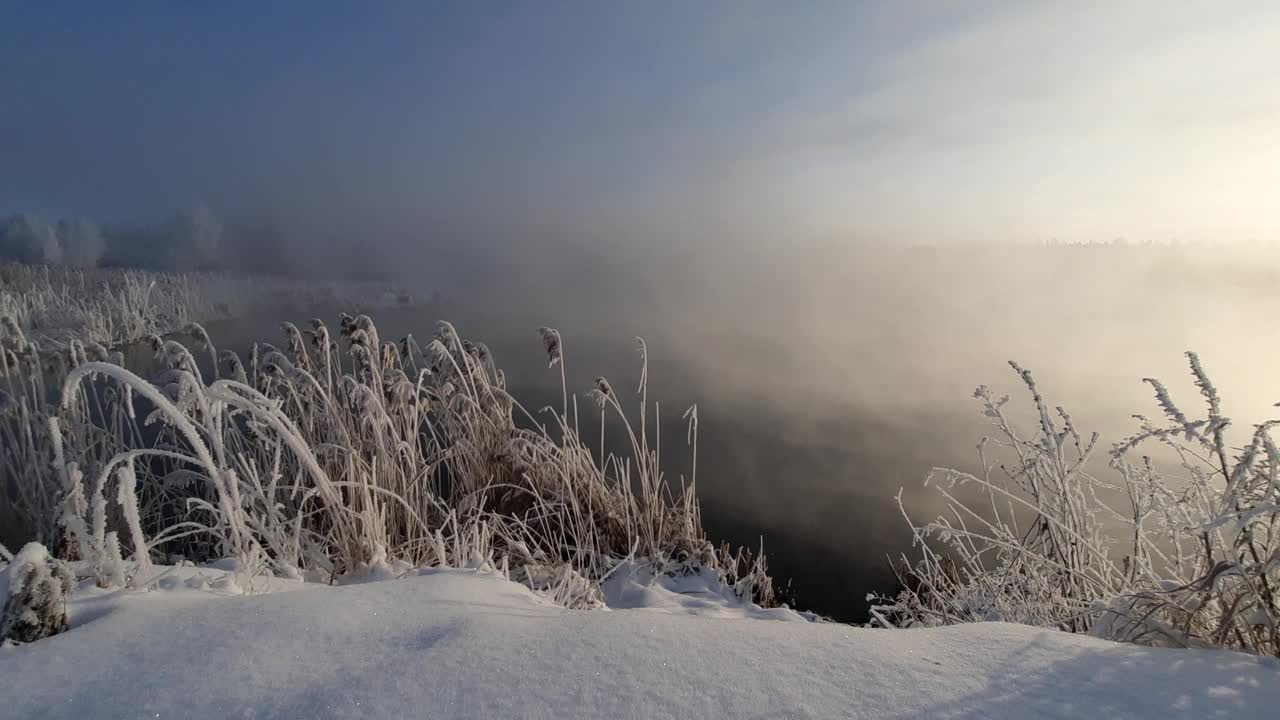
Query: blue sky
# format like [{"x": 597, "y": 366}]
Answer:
[{"x": 917, "y": 120}]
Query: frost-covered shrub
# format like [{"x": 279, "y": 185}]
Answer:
[
  {"x": 1183, "y": 558},
  {"x": 38, "y": 587}
]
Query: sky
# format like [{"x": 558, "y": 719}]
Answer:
[{"x": 898, "y": 122}]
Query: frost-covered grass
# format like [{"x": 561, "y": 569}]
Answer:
[
  {"x": 334, "y": 456},
  {"x": 53, "y": 305},
  {"x": 1179, "y": 547}
]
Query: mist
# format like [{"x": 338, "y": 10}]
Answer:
[
  {"x": 829, "y": 226},
  {"x": 830, "y": 379}
]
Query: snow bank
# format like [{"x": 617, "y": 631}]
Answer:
[{"x": 470, "y": 644}]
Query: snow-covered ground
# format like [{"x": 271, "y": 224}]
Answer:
[{"x": 471, "y": 644}]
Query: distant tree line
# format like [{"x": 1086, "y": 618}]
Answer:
[
  {"x": 197, "y": 239},
  {"x": 1149, "y": 243},
  {"x": 189, "y": 240}
]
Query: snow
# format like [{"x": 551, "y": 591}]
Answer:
[
  {"x": 11, "y": 582},
  {"x": 471, "y": 644}
]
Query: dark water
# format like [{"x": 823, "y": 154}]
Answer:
[{"x": 825, "y": 388}]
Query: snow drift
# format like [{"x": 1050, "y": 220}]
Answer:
[{"x": 470, "y": 644}]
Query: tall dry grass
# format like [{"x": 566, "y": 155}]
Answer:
[{"x": 334, "y": 454}]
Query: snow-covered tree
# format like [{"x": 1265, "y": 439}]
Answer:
[
  {"x": 27, "y": 239},
  {"x": 82, "y": 243},
  {"x": 195, "y": 236}
]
